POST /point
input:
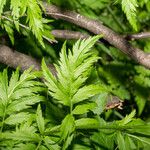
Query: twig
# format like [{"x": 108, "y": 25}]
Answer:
[
  {"x": 137, "y": 36},
  {"x": 68, "y": 34},
  {"x": 97, "y": 28}
]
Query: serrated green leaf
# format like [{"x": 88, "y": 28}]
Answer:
[
  {"x": 21, "y": 136},
  {"x": 129, "y": 7},
  {"x": 145, "y": 140},
  {"x": 23, "y": 103},
  {"x": 40, "y": 120},
  {"x": 67, "y": 127},
  {"x": 121, "y": 141},
  {"x": 72, "y": 73},
  {"x": 87, "y": 92},
  {"x": 4, "y": 86},
  {"x": 128, "y": 118},
  {"x": 83, "y": 108},
  {"x": 9, "y": 29},
  {"x": 100, "y": 100},
  {"x": 2, "y": 4},
  {"x": 103, "y": 139},
  {"x": 87, "y": 123},
  {"x": 50, "y": 143},
  {"x": 17, "y": 118},
  {"x": 27, "y": 146},
  {"x": 130, "y": 145}
]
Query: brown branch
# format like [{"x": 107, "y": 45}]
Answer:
[
  {"x": 14, "y": 59},
  {"x": 68, "y": 35},
  {"x": 137, "y": 36},
  {"x": 98, "y": 28}
]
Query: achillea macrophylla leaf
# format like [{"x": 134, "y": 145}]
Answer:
[
  {"x": 18, "y": 94},
  {"x": 2, "y": 4},
  {"x": 87, "y": 123},
  {"x": 129, "y": 7},
  {"x": 25, "y": 146},
  {"x": 121, "y": 141},
  {"x": 24, "y": 103},
  {"x": 22, "y": 136},
  {"x": 50, "y": 143},
  {"x": 72, "y": 73},
  {"x": 15, "y": 7},
  {"x": 86, "y": 92},
  {"x": 3, "y": 86},
  {"x": 84, "y": 108},
  {"x": 67, "y": 127},
  {"x": 40, "y": 120},
  {"x": 14, "y": 119},
  {"x": 128, "y": 118}
]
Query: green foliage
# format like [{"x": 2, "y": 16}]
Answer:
[
  {"x": 68, "y": 110},
  {"x": 31, "y": 11},
  {"x": 129, "y": 8}
]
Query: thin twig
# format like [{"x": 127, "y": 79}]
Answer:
[{"x": 142, "y": 35}]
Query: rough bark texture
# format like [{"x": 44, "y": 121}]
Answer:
[
  {"x": 66, "y": 34},
  {"x": 98, "y": 28}
]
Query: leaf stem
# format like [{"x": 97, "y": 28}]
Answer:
[{"x": 39, "y": 144}]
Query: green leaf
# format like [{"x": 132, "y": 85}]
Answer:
[
  {"x": 50, "y": 143},
  {"x": 103, "y": 140},
  {"x": 142, "y": 139},
  {"x": 21, "y": 136},
  {"x": 72, "y": 72},
  {"x": 17, "y": 118},
  {"x": 87, "y": 92},
  {"x": 34, "y": 18},
  {"x": 100, "y": 100},
  {"x": 2, "y": 4},
  {"x": 121, "y": 141},
  {"x": 129, "y": 142},
  {"x": 84, "y": 108},
  {"x": 27, "y": 146},
  {"x": 9, "y": 29},
  {"x": 40, "y": 120},
  {"x": 4, "y": 86},
  {"x": 67, "y": 127},
  {"x": 23, "y": 103},
  {"x": 129, "y": 7},
  {"x": 128, "y": 118},
  {"x": 87, "y": 123}
]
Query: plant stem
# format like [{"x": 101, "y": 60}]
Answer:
[{"x": 39, "y": 144}]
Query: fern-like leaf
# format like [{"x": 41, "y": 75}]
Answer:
[
  {"x": 2, "y": 4},
  {"x": 129, "y": 8},
  {"x": 72, "y": 73},
  {"x": 17, "y": 95}
]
